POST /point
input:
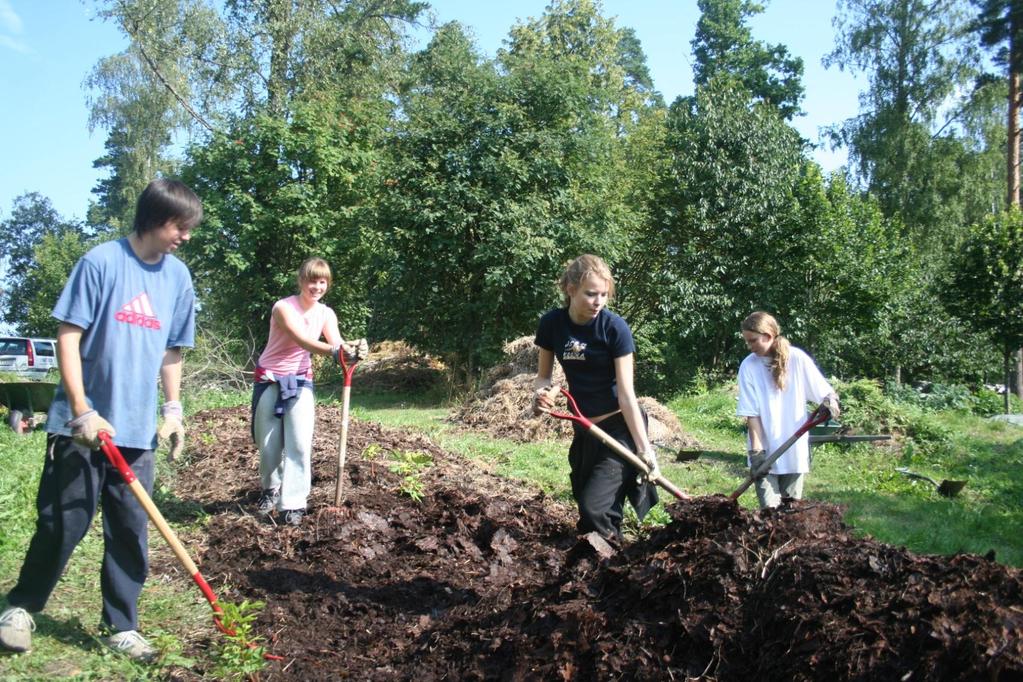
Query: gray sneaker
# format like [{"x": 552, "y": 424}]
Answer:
[
  {"x": 16, "y": 627},
  {"x": 293, "y": 517},
  {"x": 131, "y": 644},
  {"x": 268, "y": 501}
]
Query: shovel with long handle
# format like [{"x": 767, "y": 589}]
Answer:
[
  {"x": 619, "y": 449},
  {"x": 342, "y": 449},
  {"x": 819, "y": 416},
  {"x": 115, "y": 457}
]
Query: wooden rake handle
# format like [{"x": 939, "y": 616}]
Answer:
[
  {"x": 619, "y": 449},
  {"x": 819, "y": 416}
]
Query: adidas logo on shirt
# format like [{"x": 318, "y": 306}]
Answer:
[{"x": 138, "y": 312}]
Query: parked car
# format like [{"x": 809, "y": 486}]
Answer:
[{"x": 28, "y": 358}]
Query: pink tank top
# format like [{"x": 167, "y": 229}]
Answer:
[{"x": 282, "y": 355}]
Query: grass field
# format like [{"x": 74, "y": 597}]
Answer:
[{"x": 879, "y": 502}]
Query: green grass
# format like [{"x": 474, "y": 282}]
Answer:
[{"x": 65, "y": 643}]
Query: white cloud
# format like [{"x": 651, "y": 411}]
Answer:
[
  {"x": 12, "y": 44},
  {"x": 10, "y": 22}
]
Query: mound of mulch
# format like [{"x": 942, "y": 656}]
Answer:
[
  {"x": 503, "y": 405},
  {"x": 395, "y": 366},
  {"x": 485, "y": 579}
]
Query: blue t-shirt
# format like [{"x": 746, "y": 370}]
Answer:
[
  {"x": 587, "y": 353},
  {"x": 132, "y": 312}
]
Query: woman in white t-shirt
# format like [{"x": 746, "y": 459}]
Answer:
[
  {"x": 775, "y": 382},
  {"x": 282, "y": 398}
]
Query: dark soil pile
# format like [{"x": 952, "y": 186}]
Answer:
[
  {"x": 503, "y": 405},
  {"x": 484, "y": 579}
]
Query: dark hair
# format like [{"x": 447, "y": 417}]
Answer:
[{"x": 164, "y": 200}]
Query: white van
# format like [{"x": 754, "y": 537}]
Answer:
[{"x": 28, "y": 358}]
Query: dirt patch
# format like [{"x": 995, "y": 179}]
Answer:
[
  {"x": 484, "y": 579},
  {"x": 503, "y": 405}
]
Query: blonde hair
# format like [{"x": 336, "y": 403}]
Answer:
[
  {"x": 313, "y": 269},
  {"x": 764, "y": 323},
  {"x": 582, "y": 267}
]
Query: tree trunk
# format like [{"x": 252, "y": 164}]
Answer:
[
  {"x": 1013, "y": 168},
  {"x": 1012, "y": 157},
  {"x": 1006, "y": 352},
  {"x": 1019, "y": 374}
]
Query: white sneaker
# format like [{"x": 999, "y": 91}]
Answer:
[
  {"x": 131, "y": 644},
  {"x": 16, "y": 627}
]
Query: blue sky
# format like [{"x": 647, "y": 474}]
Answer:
[{"x": 48, "y": 48}]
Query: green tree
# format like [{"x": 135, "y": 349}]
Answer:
[
  {"x": 285, "y": 103},
  {"x": 275, "y": 193},
  {"x": 722, "y": 229},
  {"x": 986, "y": 286},
  {"x": 724, "y": 49},
  {"x": 53, "y": 259},
  {"x": 33, "y": 219},
  {"x": 919, "y": 56},
  {"x": 500, "y": 172},
  {"x": 1000, "y": 25},
  {"x": 146, "y": 94}
]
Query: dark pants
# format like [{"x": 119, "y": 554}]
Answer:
[
  {"x": 74, "y": 482},
  {"x": 601, "y": 480}
]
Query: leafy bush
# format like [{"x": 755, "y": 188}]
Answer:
[
  {"x": 867, "y": 409},
  {"x": 935, "y": 397}
]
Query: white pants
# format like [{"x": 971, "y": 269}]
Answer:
[
  {"x": 772, "y": 487},
  {"x": 286, "y": 445}
]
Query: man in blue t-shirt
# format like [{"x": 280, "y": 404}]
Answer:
[{"x": 125, "y": 313}]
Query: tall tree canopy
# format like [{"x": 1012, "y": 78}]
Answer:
[
  {"x": 503, "y": 170},
  {"x": 724, "y": 49}
]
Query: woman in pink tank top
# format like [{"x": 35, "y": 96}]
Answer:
[{"x": 283, "y": 406}]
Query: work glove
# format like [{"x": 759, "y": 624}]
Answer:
[
  {"x": 352, "y": 351},
  {"x": 85, "y": 429},
  {"x": 756, "y": 460},
  {"x": 543, "y": 400},
  {"x": 831, "y": 403},
  {"x": 172, "y": 429},
  {"x": 650, "y": 459}
]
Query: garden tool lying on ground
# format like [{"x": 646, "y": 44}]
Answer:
[
  {"x": 116, "y": 459},
  {"x": 619, "y": 449},
  {"x": 819, "y": 416},
  {"x": 946, "y": 488},
  {"x": 677, "y": 454}
]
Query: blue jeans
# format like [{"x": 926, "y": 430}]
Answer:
[{"x": 74, "y": 483}]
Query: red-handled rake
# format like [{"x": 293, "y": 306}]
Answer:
[
  {"x": 619, "y": 449},
  {"x": 117, "y": 460},
  {"x": 342, "y": 449},
  {"x": 819, "y": 416}
]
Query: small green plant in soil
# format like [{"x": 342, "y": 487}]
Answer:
[
  {"x": 240, "y": 656},
  {"x": 409, "y": 464}
]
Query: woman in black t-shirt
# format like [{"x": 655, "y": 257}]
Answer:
[{"x": 595, "y": 349}]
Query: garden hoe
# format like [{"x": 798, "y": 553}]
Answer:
[
  {"x": 619, "y": 449},
  {"x": 116, "y": 459},
  {"x": 819, "y": 416},
  {"x": 946, "y": 488}
]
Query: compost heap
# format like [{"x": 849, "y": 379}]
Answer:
[
  {"x": 483, "y": 578},
  {"x": 503, "y": 407}
]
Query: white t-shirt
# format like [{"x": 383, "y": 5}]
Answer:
[{"x": 782, "y": 412}]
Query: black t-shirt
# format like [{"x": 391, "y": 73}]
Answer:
[{"x": 587, "y": 353}]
